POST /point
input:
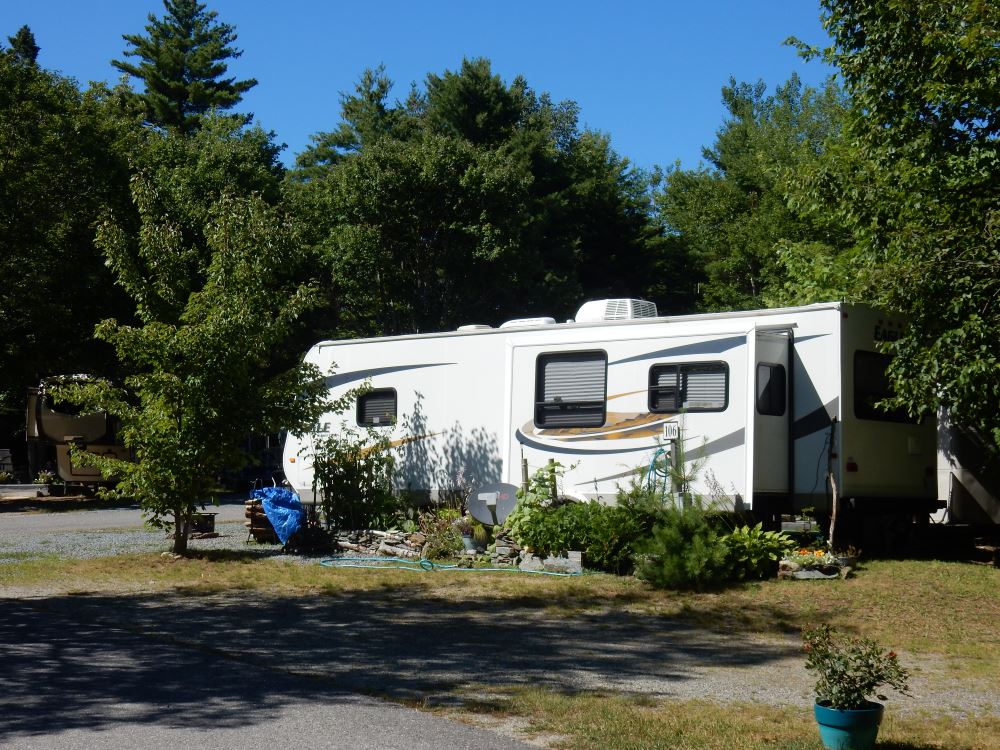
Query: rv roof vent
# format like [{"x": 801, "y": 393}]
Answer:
[
  {"x": 474, "y": 327},
  {"x": 517, "y": 322},
  {"x": 615, "y": 309}
]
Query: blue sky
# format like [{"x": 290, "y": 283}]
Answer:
[{"x": 647, "y": 73}]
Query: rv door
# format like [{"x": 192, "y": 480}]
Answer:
[{"x": 768, "y": 414}]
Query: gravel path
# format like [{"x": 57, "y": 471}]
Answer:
[
  {"x": 402, "y": 644},
  {"x": 104, "y": 541}
]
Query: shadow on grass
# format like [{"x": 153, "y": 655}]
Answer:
[
  {"x": 200, "y": 661},
  {"x": 249, "y": 554}
]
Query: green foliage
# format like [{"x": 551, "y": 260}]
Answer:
[
  {"x": 60, "y": 172},
  {"x": 754, "y": 553},
  {"x": 922, "y": 190},
  {"x": 732, "y": 216},
  {"x": 685, "y": 550},
  {"x": 202, "y": 379},
  {"x": 443, "y": 537},
  {"x": 352, "y": 475},
  {"x": 182, "y": 61},
  {"x": 542, "y": 491},
  {"x": 607, "y": 535},
  {"x": 482, "y": 187},
  {"x": 850, "y": 670},
  {"x": 180, "y": 178},
  {"x": 23, "y": 47}
]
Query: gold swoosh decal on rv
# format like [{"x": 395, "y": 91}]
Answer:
[
  {"x": 412, "y": 439},
  {"x": 617, "y": 426},
  {"x": 401, "y": 442}
]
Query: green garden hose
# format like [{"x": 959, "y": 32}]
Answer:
[{"x": 421, "y": 565}]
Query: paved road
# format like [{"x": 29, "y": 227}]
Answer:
[{"x": 72, "y": 682}]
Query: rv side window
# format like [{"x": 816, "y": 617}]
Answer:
[
  {"x": 377, "y": 408},
  {"x": 770, "y": 389},
  {"x": 871, "y": 385},
  {"x": 695, "y": 386},
  {"x": 570, "y": 389}
]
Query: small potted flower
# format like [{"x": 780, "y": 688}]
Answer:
[
  {"x": 851, "y": 670},
  {"x": 45, "y": 476},
  {"x": 464, "y": 527}
]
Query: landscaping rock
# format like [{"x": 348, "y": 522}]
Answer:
[{"x": 570, "y": 563}]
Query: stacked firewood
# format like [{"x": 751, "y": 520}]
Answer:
[
  {"x": 257, "y": 524},
  {"x": 310, "y": 539}
]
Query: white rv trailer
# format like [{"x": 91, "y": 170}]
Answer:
[{"x": 770, "y": 403}]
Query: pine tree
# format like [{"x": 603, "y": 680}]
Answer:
[
  {"x": 182, "y": 61},
  {"x": 23, "y": 47}
]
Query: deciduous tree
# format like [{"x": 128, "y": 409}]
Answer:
[
  {"x": 202, "y": 377},
  {"x": 60, "y": 172},
  {"x": 923, "y": 196}
]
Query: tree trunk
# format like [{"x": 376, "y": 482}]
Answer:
[{"x": 180, "y": 531}]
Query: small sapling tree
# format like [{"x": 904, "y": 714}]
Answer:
[{"x": 200, "y": 361}]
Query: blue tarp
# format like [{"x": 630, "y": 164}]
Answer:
[{"x": 283, "y": 509}]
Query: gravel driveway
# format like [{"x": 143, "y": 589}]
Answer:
[{"x": 402, "y": 644}]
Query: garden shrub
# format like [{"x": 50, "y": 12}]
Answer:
[
  {"x": 606, "y": 535},
  {"x": 684, "y": 551},
  {"x": 352, "y": 474},
  {"x": 754, "y": 553}
]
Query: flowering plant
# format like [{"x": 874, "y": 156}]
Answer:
[
  {"x": 809, "y": 558},
  {"x": 850, "y": 669},
  {"x": 45, "y": 477}
]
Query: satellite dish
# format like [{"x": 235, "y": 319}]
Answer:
[{"x": 490, "y": 504}]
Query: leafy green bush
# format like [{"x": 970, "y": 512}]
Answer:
[
  {"x": 685, "y": 550},
  {"x": 540, "y": 494},
  {"x": 606, "y": 535},
  {"x": 754, "y": 553},
  {"x": 612, "y": 533},
  {"x": 352, "y": 476}
]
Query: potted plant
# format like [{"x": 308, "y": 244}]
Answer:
[
  {"x": 851, "y": 670},
  {"x": 45, "y": 476},
  {"x": 464, "y": 527}
]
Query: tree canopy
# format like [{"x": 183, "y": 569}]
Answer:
[
  {"x": 61, "y": 171},
  {"x": 923, "y": 196},
  {"x": 182, "y": 64},
  {"x": 23, "y": 47},
  {"x": 492, "y": 203},
  {"x": 734, "y": 215}
]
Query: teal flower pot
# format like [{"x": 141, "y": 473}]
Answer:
[{"x": 849, "y": 729}]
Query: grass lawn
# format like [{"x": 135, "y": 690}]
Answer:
[
  {"x": 946, "y": 608},
  {"x": 943, "y": 609},
  {"x": 596, "y": 722}
]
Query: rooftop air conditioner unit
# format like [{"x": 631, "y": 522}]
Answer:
[{"x": 599, "y": 310}]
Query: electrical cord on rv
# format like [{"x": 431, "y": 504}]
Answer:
[{"x": 822, "y": 451}]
